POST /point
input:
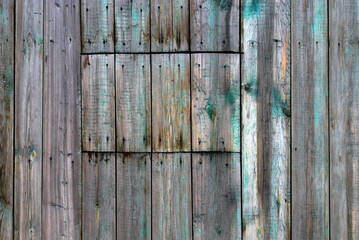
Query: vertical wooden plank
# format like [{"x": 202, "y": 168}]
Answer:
[
  {"x": 169, "y": 25},
  {"x": 134, "y": 196},
  {"x": 171, "y": 196},
  {"x": 132, "y": 24},
  {"x": 61, "y": 202},
  {"x": 28, "y": 118},
  {"x": 344, "y": 118},
  {"x": 98, "y": 103},
  {"x": 6, "y": 117},
  {"x": 216, "y": 102},
  {"x": 310, "y": 156},
  {"x": 215, "y": 25},
  {"x": 171, "y": 103},
  {"x": 99, "y": 196},
  {"x": 217, "y": 196},
  {"x": 97, "y": 26},
  {"x": 133, "y": 102},
  {"x": 266, "y": 119}
]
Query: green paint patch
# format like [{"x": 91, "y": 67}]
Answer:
[
  {"x": 251, "y": 9},
  {"x": 279, "y": 106},
  {"x": 251, "y": 87},
  {"x": 223, "y": 5},
  {"x": 219, "y": 230},
  {"x": 211, "y": 111}
]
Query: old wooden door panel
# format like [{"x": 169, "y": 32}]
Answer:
[
  {"x": 98, "y": 103},
  {"x": 215, "y": 102},
  {"x": 133, "y": 196},
  {"x": 215, "y": 25},
  {"x": 133, "y": 102},
  {"x": 217, "y": 196},
  {"x": 171, "y": 103}
]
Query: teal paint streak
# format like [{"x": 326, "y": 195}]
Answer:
[
  {"x": 279, "y": 106},
  {"x": 251, "y": 9},
  {"x": 211, "y": 110},
  {"x": 223, "y": 5}
]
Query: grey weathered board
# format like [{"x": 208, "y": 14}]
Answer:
[
  {"x": 133, "y": 102},
  {"x": 344, "y": 118},
  {"x": 215, "y": 102},
  {"x": 134, "y": 196},
  {"x": 171, "y": 125},
  {"x": 310, "y": 155},
  {"x": 98, "y": 103},
  {"x": 99, "y": 196},
  {"x": 217, "y": 196},
  {"x": 266, "y": 119},
  {"x": 215, "y": 25},
  {"x": 169, "y": 25},
  {"x": 132, "y": 24},
  {"x": 97, "y": 26},
  {"x": 171, "y": 196},
  {"x": 6, "y": 117},
  {"x": 61, "y": 173}
]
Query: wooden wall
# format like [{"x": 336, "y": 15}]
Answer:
[{"x": 179, "y": 119}]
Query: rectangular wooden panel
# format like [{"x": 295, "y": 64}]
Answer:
[
  {"x": 99, "y": 196},
  {"x": 97, "y": 26},
  {"x": 98, "y": 103},
  {"x": 266, "y": 119},
  {"x": 171, "y": 196},
  {"x": 6, "y": 117},
  {"x": 133, "y": 103},
  {"x": 344, "y": 118},
  {"x": 132, "y": 24},
  {"x": 61, "y": 197},
  {"x": 28, "y": 118},
  {"x": 215, "y": 25},
  {"x": 171, "y": 103},
  {"x": 217, "y": 196},
  {"x": 216, "y": 102},
  {"x": 310, "y": 156},
  {"x": 169, "y": 25},
  {"x": 134, "y": 196}
]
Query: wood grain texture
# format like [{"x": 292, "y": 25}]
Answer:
[
  {"x": 99, "y": 196},
  {"x": 169, "y": 25},
  {"x": 133, "y": 103},
  {"x": 171, "y": 196},
  {"x": 217, "y": 196},
  {"x": 6, "y": 117},
  {"x": 97, "y": 26},
  {"x": 98, "y": 103},
  {"x": 171, "y": 103},
  {"x": 132, "y": 24},
  {"x": 344, "y": 118},
  {"x": 266, "y": 119},
  {"x": 28, "y": 118},
  {"x": 216, "y": 102},
  {"x": 134, "y": 196},
  {"x": 310, "y": 155},
  {"x": 215, "y": 25},
  {"x": 61, "y": 202}
]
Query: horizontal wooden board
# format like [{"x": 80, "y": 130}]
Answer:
[
  {"x": 133, "y": 103},
  {"x": 215, "y": 102},
  {"x": 98, "y": 103}
]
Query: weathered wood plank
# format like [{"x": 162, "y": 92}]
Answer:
[
  {"x": 132, "y": 24},
  {"x": 215, "y": 25},
  {"x": 61, "y": 202},
  {"x": 97, "y": 26},
  {"x": 171, "y": 103},
  {"x": 133, "y": 196},
  {"x": 6, "y": 117},
  {"x": 99, "y": 196},
  {"x": 217, "y": 196},
  {"x": 171, "y": 196},
  {"x": 28, "y": 118},
  {"x": 133, "y": 103},
  {"x": 310, "y": 156},
  {"x": 216, "y": 102},
  {"x": 169, "y": 25},
  {"x": 98, "y": 103},
  {"x": 266, "y": 119},
  {"x": 344, "y": 118}
]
